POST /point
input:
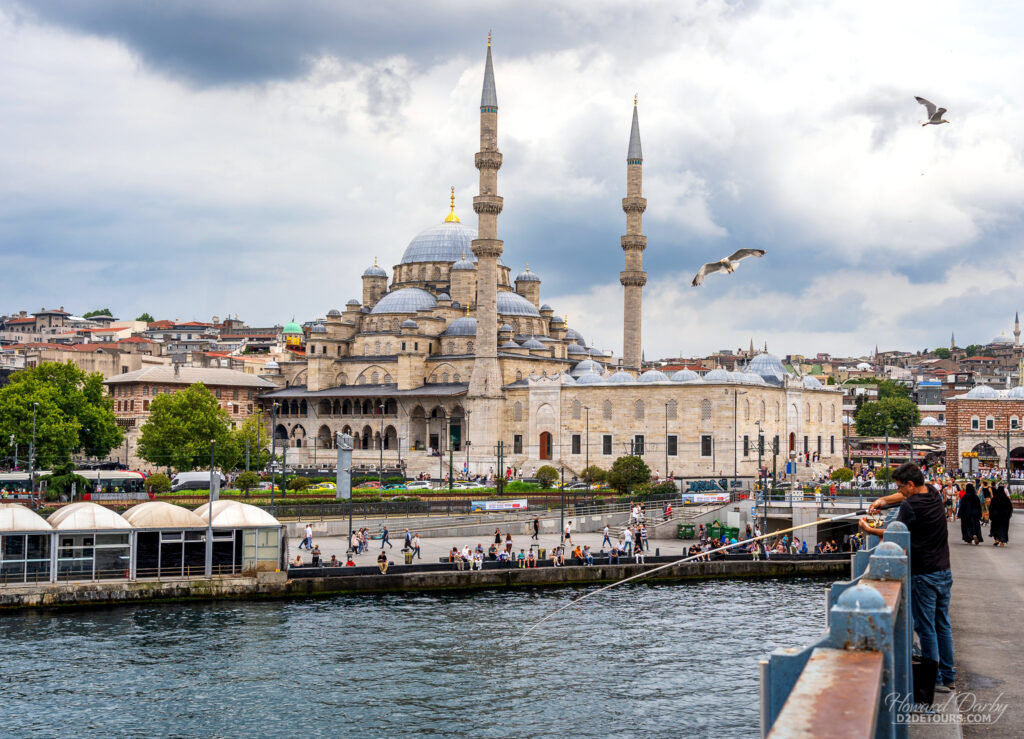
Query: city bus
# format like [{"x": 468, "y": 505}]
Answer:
[{"x": 103, "y": 484}]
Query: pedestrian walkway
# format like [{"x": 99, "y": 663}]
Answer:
[{"x": 986, "y": 603}]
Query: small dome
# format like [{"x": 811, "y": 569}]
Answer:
[
  {"x": 232, "y": 514},
  {"x": 409, "y": 323},
  {"x": 514, "y": 304},
  {"x": 587, "y": 365},
  {"x": 620, "y": 378},
  {"x": 444, "y": 296},
  {"x": 546, "y": 307},
  {"x": 156, "y": 514},
  {"x": 589, "y": 378},
  {"x": 982, "y": 391},
  {"x": 1001, "y": 340},
  {"x": 685, "y": 375},
  {"x": 510, "y": 345},
  {"x": 405, "y": 300},
  {"x": 375, "y": 271},
  {"x": 863, "y": 366},
  {"x": 653, "y": 375},
  {"x": 749, "y": 378},
  {"x": 557, "y": 320},
  {"x": 505, "y": 328},
  {"x": 567, "y": 379},
  {"x": 354, "y": 303},
  {"x": 1016, "y": 392},
  {"x": 334, "y": 313},
  {"x": 291, "y": 328},
  {"x": 812, "y": 383},
  {"x": 318, "y": 328},
  {"x": 445, "y": 242},
  {"x": 572, "y": 334},
  {"x": 527, "y": 276},
  {"x": 532, "y": 343},
  {"x": 86, "y": 516},
  {"x": 463, "y": 265},
  {"x": 718, "y": 375},
  {"x": 769, "y": 367},
  {"x": 736, "y": 377},
  {"x": 271, "y": 365},
  {"x": 929, "y": 421},
  {"x": 16, "y": 517},
  {"x": 464, "y": 326},
  {"x": 577, "y": 349}
]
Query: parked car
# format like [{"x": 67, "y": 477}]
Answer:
[
  {"x": 419, "y": 485},
  {"x": 194, "y": 481},
  {"x": 464, "y": 485},
  {"x": 323, "y": 486},
  {"x": 395, "y": 486},
  {"x": 269, "y": 486},
  {"x": 368, "y": 484}
]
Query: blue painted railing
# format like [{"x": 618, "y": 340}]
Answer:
[{"x": 856, "y": 679}]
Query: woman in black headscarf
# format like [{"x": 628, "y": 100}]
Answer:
[
  {"x": 970, "y": 516},
  {"x": 999, "y": 511}
]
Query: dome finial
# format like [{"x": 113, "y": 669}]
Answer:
[
  {"x": 467, "y": 309},
  {"x": 488, "y": 38},
  {"x": 452, "y": 218},
  {"x": 527, "y": 266},
  {"x": 635, "y": 96},
  {"x": 375, "y": 261}
]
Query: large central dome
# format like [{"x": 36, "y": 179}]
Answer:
[{"x": 445, "y": 242}]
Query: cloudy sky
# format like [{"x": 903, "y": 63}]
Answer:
[{"x": 193, "y": 159}]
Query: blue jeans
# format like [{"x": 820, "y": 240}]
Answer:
[
  {"x": 629, "y": 548},
  {"x": 929, "y": 604}
]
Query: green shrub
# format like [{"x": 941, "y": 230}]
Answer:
[
  {"x": 298, "y": 483},
  {"x": 627, "y": 472},
  {"x": 518, "y": 486},
  {"x": 842, "y": 474},
  {"x": 60, "y": 481},
  {"x": 546, "y": 475},
  {"x": 158, "y": 483},
  {"x": 593, "y": 474},
  {"x": 394, "y": 480}
]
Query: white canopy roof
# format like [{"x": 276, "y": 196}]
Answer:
[
  {"x": 157, "y": 514},
  {"x": 16, "y": 517},
  {"x": 231, "y": 514},
  {"x": 86, "y": 516}
]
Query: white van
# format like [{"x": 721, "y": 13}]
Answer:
[{"x": 194, "y": 481}]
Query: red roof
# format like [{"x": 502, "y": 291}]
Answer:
[
  {"x": 983, "y": 359},
  {"x": 193, "y": 323},
  {"x": 21, "y": 320},
  {"x": 42, "y": 345},
  {"x": 135, "y": 340},
  {"x": 160, "y": 324}
]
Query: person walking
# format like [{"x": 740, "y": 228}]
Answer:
[
  {"x": 384, "y": 539},
  {"x": 408, "y": 540},
  {"x": 568, "y": 533},
  {"x": 922, "y": 511},
  {"x": 628, "y": 534},
  {"x": 643, "y": 538},
  {"x": 536, "y": 528},
  {"x": 416, "y": 546},
  {"x": 999, "y": 512},
  {"x": 497, "y": 536},
  {"x": 970, "y": 516},
  {"x": 606, "y": 539},
  {"x": 307, "y": 538}
]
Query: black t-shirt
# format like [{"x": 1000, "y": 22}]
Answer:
[{"x": 925, "y": 515}]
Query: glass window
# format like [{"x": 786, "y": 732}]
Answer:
[
  {"x": 975, "y": 423},
  {"x": 576, "y": 444},
  {"x": 807, "y": 444},
  {"x": 819, "y": 446},
  {"x": 638, "y": 445},
  {"x": 832, "y": 445},
  {"x": 672, "y": 445},
  {"x": 517, "y": 444},
  {"x": 990, "y": 423},
  {"x": 606, "y": 444},
  {"x": 705, "y": 445},
  {"x": 746, "y": 445},
  {"x": 1014, "y": 423}
]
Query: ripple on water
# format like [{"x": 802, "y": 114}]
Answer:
[{"x": 675, "y": 659}]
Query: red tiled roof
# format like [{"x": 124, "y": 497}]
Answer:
[
  {"x": 21, "y": 320},
  {"x": 974, "y": 359},
  {"x": 135, "y": 340},
  {"x": 160, "y": 324},
  {"x": 42, "y": 345}
]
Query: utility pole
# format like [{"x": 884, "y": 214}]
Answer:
[
  {"x": 32, "y": 453},
  {"x": 246, "y": 453},
  {"x": 380, "y": 469},
  {"x": 451, "y": 453},
  {"x": 587, "y": 463},
  {"x": 465, "y": 443},
  {"x": 273, "y": 449},
  {"x": 666, "y": 441},
  {"x": 209, "y": 516},
  {"x": 562, "y": 509}
]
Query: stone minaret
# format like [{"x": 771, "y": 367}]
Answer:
[
  {"x": 485, "y": 381},
  {"x": 1016, "y": 329},
  {"x": 633, "y": 278}
]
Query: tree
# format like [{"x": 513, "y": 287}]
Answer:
[
  {"x": 842, "y": 474},
  {"x": 73, "y": 414},
  {"x": 593, "y": 474},
  {"x": 546, "y": 476},
  {"x": 158, "y": 483},
  {"x": 892, "y": 389},
  {"x": 180, "y": 427},
  {"x": 247, "y": 481},
  {"x": 60, "y": 481},
  {"x": 259, "y": 442},
  {"x": 628, "y": 471},
  {"x": 99, "y": 312},
  {"x": 146, "y": 317},
  {"x": 942, "y": 353},
  {"x": 973, "y": 350},
  {"x": 298, "y": 483},
  {"x": 899, "y": 415}
]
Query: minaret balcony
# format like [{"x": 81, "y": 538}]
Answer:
[
  {"x": 634, "y": 242},
  {"x": 634, "y": 278},
  {"x": 487, "y": 247},
  {"x": 634, "y": 205},
  {"x": 488, "y": 204},
  {"x": 487, "y": 160}
]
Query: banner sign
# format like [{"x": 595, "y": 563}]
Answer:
[
  {"x": 705, "y": 497},
  {"x": 498, "y": 505}
]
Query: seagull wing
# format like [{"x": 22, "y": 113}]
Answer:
[
  {"x": 744, "y": 253},
  {"x": 938, "y": 114},
  {"x": 929, "y": 105},
  {"x": 707, "y": 269}
]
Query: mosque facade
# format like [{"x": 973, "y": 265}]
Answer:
[{"x": 453, "y": 353}]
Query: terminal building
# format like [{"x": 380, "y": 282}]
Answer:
[{"x": 454, "y": 352}]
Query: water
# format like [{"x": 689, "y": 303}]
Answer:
[{"x": 644, "y": 660}]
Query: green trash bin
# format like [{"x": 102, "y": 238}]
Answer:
[
  {"x": 732, "y": 533},
  {"x": 686, "y": 531},
  {"x": 715, "y": 532}
]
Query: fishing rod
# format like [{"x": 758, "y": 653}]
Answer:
[{"x": 698, "y": 556}]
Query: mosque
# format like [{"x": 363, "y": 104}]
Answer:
[{"x": 454, "y": 354}]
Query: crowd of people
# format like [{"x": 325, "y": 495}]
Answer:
[{"x": 977, "y": 504}]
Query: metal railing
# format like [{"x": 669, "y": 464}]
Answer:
[{"x": 858, "y": 674}]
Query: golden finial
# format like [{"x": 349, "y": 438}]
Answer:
[
  {"x": 375, "y": 261},
  {"x": 635, "y": 96},
  {"x": 452, "y": 218},
  {"x": 488, "y": 39},
  {"x": 527, "y": 266},
  {"x": 467, "y": 310}
]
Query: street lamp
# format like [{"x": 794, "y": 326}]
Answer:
[
  {"x": 666, "y": 441},
  {"x": 465, "y": 443},
  {"x": 587, "y": 453},
  {"x": 735, "y": 460},
  {"x": 380, "y": 469},
  {"x": 32, "y": 452},
  {"x": 273, "y": 448},
  {"x": 888, "y": 472},
  {"x": 209, "y": 516}
]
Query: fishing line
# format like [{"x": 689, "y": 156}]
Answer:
[{"x": 694, "y": 557}]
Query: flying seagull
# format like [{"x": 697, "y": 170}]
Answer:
[
  {"x": 729, "y": 264},
  {"x": 934, "y": 114}
]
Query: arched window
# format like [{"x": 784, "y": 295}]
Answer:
[
  {"x": 456, "y": 377},
  {"x": 374, "y": 379},
  {"x": 387, "y": 379},
  {"x": 638, "y": 409},
  {"x": 366, "y": 349},
  {"x": 517, "y": 411},
  {"x": 606, "y": 410},
  {"x": 672, "y": 409},
  {"x": 437, "y": 273},
  {"x": 433, "y": 377},
  {"x": 519, "y": 375},
  {"x": 807, "y": 411},
  {"x": 577, "y": 409},
  {"x": 820, "y": 417},
  {"x": 469, "y": 347},
  {"x": 832, "y": 412},
  {"x": 444, "y": 377},
  {"x": 748, "y": 410},
  {"x": 705, "y": 410},
  {"x": 763, "y": 409},
  {"x": 394, "y": 325},
  {"x": 387, "y": 348},
  {"x": 376, "y": 348},
  {"x": 990, "y": 423},
  {"x": 778, "y": 410}
]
